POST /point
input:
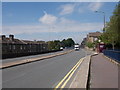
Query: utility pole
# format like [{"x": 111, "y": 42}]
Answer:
[{"x": 104, "y": 18}]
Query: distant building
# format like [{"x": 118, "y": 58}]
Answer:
[
  {"x": 12, "y": 47},
  {"x": 83, "y": 42},
  {"x": 91, "y": 37}
]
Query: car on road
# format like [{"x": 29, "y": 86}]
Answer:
[
  {"x": 76, "y": 47},
  {"x": 61, "y": 48}
]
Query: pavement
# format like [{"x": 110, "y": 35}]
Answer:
[{"x": 104, "y": 74}]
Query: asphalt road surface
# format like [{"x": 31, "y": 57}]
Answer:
[{"x": 41, "y": 74}]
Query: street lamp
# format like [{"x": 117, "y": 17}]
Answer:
[
  {"x": 99, "y": 40},
  {"x": 103, "y": 18}
]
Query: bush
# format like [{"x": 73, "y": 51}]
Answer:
[{"x": 90, "y": 45}]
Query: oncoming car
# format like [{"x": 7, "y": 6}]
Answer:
[{"x": 76, "y": 47}]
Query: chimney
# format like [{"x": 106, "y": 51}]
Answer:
[
  {"x": 3, "y": 37},
  {"x": 11, "y": 37}
]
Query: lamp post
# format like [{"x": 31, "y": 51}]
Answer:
[
  {"x": 99, "y": 40},
  {"x": 103, "y": 18}
]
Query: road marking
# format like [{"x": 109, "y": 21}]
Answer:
[
  {"x": 66, "y": 76},
  {"x": 69, "y": 74}
]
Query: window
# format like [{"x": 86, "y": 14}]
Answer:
[
  {"x": 13, "y": 46},
  {"x": 21, "y": 47}
]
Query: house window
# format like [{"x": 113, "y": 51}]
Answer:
[
  {"x": 10, "y": 47},
  {"x": 21, "y": 47},
  {"x": 13, "y": 46}
]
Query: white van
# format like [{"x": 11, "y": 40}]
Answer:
[{"x": 76, "y": 47}]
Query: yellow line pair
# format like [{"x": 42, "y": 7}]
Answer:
[{"x": 69, "y": 75}]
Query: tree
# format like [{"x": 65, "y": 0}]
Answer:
[
  {"x": 70, "y": 42},
  {"x": 54, "y": 45},
  {"x": 57, "y": 44},
  {"x": 67, "y": 43},
  {"x": 63, "y": 43},
  {"x": 112, "y": 29},
  {"x": 90, "y": 45}
]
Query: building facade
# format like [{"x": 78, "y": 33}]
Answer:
[
  {"x": 12, "y": 47},
  {"x": 92, "y": 37}
]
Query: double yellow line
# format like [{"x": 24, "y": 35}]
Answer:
[{"x": 67, "y": 77}]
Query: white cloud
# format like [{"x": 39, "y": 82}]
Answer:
[
  {"x": 48, "y": 19},
  {"x": 66, "y": 21},
  {"x": 24, "y": 29},
  {"x": 94, "y": 6},
  {"x": 80, "y": 7},
  {"x": 67, "y": 9},
  {"x": 63, "y": 25}
]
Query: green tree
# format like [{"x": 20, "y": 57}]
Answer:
[
  {"x": 54, "y": 45},
  {"x": 112, "y": 29},
  {"x": 57, "y": 44},
  {"x": 63, "y": 43},
  {"x": 89, "y": 44},
  {"x": 67, "y": 43},
  {"x": 70, "y": 42}
]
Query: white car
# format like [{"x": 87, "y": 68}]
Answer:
[{"x": 61, "y": 48}]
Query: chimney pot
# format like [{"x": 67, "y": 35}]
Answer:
[
  {"x": 3, "y": 37},
  {"x": 11, "y": 37}
]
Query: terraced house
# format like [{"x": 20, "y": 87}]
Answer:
[{"x": 12, "y": 47}]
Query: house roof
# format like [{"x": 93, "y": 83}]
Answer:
[
  {"x": 18, "y": 41},
  {"x": 33, "y": 42},
  {"x": 15, "y": 41},
  {"x": 94, "y": 34}
]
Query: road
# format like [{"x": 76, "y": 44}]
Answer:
[{"x": 41, "y": 74}]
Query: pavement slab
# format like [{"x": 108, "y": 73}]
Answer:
[{"x": 104, "y": 74}]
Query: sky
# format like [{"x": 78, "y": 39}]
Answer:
[{"x": 54, "y": 20}]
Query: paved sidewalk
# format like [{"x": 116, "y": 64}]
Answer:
[{"x": 104, "y": 74}]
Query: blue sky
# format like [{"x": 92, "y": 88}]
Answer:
[{"x": 54, "y": 20}]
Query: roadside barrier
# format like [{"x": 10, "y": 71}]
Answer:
[{"x": 113, "y": 54}]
